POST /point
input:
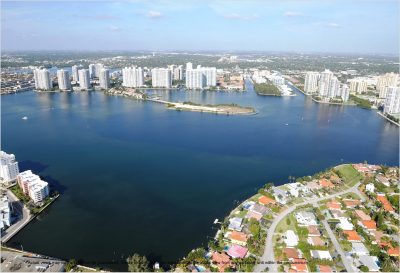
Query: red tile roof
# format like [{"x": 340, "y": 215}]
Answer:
[
  {"x": 386, "y": 205},
  {"x": 221, "y": 260},
  {"x": 352, "y": 236},
  {"x": 265, "y": 200},
  {"x": 369, "y": 224},
  {"x": 326, "y": 183}
]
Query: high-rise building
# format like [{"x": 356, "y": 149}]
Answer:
[
  {"x": 189, "y": 66},
  {"x": 132, "y": 77},
  {"x": 64, "y": 82},
  {"x": 94, "y": 70},
  {"x": 8, "y": 167},
  {"x": 161, "y": 77},
  {"x": 387, "y": 80},
  {"x": 358, "y": 85},
  {"x": 178, "y": 73},
  {"x": 210, "y": 74},
  {"x": 33, "y": 186},
  {"x": 75, "y": 75},
  {"x": 333, "y": 90},
  {"x": 344, "y": 92},
  {"x": 392, "y": 101},
  {"x": 311, "y": 82},
  {"x": 42, "y": 79},
  {"x": 84, "y": 79},
  {"x": 104, "y": 78},
  {"x": 324, "y": 83},
  {"x": 195, "y": 79}
]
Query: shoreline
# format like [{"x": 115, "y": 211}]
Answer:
[{"x": 388, "y": 119}]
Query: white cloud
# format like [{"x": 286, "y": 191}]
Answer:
[
  {"x": 293, "y": 14},
  {"x": 154, "y": 14},
  {"x": 114, "y": 28},
  {"x": 235, "y": 16},
  {"x": 334, "y": 25}
]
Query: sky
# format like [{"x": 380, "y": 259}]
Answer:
[{"x": 342, "y": 26}]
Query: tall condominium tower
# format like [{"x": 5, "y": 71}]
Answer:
[
  {"x": 384, "y": 81},
  {"x": 189, "y": 66},
  {"x": 75, "y": 75},
  {"x": 42, "y": 79},
  {"x": 210, "y": 74},
  {"x": 8, "y": 167},
  {"x": 64, "y": 82},
  {"x": 324, "y": 81},
  {"x": 195, "y": 79},
  {"x": 392, "y": 101},
  {"x": 161, "y": 77},
  {"x": 84, "y": 79},
  {"x": 311, "y": 82},
  {"x": 132, "y": 77},
  {"x": 104, "y": 78},
  {"x": 94, "y": 70},
  {"x": 178, "y": 73}
]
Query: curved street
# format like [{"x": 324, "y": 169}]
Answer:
[{"x": 268, "y": 258}]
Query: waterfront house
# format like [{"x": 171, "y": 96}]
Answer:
[
  {"x": 280, "y": 196},
  {"x": 235, "y": 223},
  {"x": 313, "y": 185},
  {"x": 265, "y": 200},
  {"x": 351, "y": 236},
  {"x": 237, "y": 251},
  {"x": 325, "y": 183},
  {"x": 382, "y": 179},
  {"x": 238, "y": 238},
  {"x": 255, "y": 215},
  {"x": 221, "y": 261}
]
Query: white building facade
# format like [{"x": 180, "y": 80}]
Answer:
[
  {"x": 64, "y": 82},
  {"x": 9, "y": 168},
  {"x": 392, "y": 101},
  {"x": 84, "y": 79},
  {"x": 311, "y": 82},
  {"x": 104, "y": 78},
  {"x": 42, "y": 79},
  {"x": 161, "y": 77},
  {"x": 33, "y": 186},
  {"x": 132, "y": 77}
]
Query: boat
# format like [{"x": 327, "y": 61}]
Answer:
[
  {"x": 287, "y": 124},
  {"x": 25, "y": 118}
]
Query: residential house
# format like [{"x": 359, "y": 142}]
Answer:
[
  {"x": 280, "y": 196},
  {"x": 352, "y": 236},
  {"x": 265, "y": 200},
  {"x": 305, "y": 218},
  {"x": 351, "y": 203},
  {"x": 370, "y": 187},
  {"x": 321, "y": 254},
  {"x": 313, "y": 231},
  {"x": 315, "y": 241},
  {"x": 386, "y": 204},
  {"x": 345, "y": 224},
  {"x": 368, "y": 224},
  {"x": 369, "y": 261},
  {"x": 235, "y": 223},
  {"x": 291, "y": 238},
  {"x": 359, "y": 249},
  {"x": 237, "y": 251},
  {"x": 238, "y": 238},
  {"x": 325, "y": 183},
  {"x": 299, "y": 265},
  {"x": 220, "y": 261},
  {"x": 361, "y": 215},
  {"x": 324, "y": 268}
]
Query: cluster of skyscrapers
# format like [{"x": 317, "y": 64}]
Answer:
[{"x": 325, "y": 85}]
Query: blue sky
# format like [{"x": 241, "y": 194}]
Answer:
[{"x": 348, "y": 26}]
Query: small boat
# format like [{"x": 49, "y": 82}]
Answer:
[
  {"x": 286, "y": 124},
  {"x": 25, "y": 118},
  {"x": 216, "y": 221}
]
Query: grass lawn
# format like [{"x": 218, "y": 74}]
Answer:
[
  {"x": 351, "y": 195},
  {"x": 284, "y": 225},
  {"x": 19, "y": 194},
  {"x": 350, "y": 175}
]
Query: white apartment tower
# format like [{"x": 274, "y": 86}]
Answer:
[
  {"x": 178, "y": 73},
  {"x": 64, "y": 82},
  {"x": 384, "y": 81},
  {"x": 392, "y": 101},
  {"x": 161, "y": 77},
  {"x": 42, "y": 79},
  {"x": 311, "y": 82},
  {"x": 84, "y": 79},
  {"x": 104, "y": 78},
  {"x": 75, "y": 75},
  {"x": 358, "y": 85},
  {"x": 324, "y": 83},
  {"x": 8, "y": 167},
  {"x": 189, "y": 66},
  {"x": 195, "y": 79},
  {"x": 94, "y": 70},
  {"x": 132, "y": 77},
  {"x": 210, "y": 74}
]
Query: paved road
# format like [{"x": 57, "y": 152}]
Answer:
[
  {"x": 268, "y": 255},
  {"x": 346, "y": 263},
  {"x": 24, "y": 217}
]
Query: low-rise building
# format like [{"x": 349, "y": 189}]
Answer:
[
  {"x": 5, "y": 213},
  {"x": 235, "y": 224},
  {"x": 238, "y": 238},
  {"x": 290, "y": 238},
  {"x": 352, "y": 236},
  {"x": 305, "y": 218},
  {"x": 358, "y": 248},
  {"x": 33, "y": 186},
  {"x": 345, "y": 224},
  {"x": 321, "y": 254},
  {"x": 369, "y": 261}
]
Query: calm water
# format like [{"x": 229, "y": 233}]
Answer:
[{"x": 136, "y": 177}]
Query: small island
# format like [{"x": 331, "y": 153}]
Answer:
[{"x": 229, "y": 109}]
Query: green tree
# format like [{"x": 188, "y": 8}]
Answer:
[
  {"x": 137, "y": 263},
  {"x": 71, "y": 264}
]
